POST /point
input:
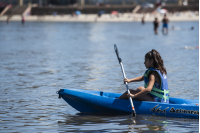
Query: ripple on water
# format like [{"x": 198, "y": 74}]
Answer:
[{"x": 34, "y": 65}]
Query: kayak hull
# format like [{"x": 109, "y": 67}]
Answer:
[{"x": 88, "y": 101}]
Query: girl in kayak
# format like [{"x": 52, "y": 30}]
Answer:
[{"x": 155, "y": 81}]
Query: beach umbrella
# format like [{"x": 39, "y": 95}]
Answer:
[
  {"x": 114, "y": 12},
  {"x": 163, "y": 11}
]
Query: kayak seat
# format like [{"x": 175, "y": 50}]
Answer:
[{"x": 101, "y": 93}]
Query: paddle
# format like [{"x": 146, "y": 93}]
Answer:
[{"x": 120, "y": 62}]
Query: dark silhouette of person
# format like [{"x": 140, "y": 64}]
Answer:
[
  {"x": 156, "y": 24},
  {"x": 23, "y": 20},
  {"x": 143, "y": 22},
  {"x": 165, "y": 24}
]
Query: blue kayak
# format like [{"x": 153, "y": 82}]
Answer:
[{"x": 88, "y": 101}]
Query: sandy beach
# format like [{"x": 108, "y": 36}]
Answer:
[{"x": 125, "y": 17}]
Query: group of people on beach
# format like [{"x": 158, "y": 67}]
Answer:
[
  {"x": 165, "y": 21},
  {"x": 165, "y": 25}
]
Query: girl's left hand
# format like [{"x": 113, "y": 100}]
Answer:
[{"x": 130, "y": 95}]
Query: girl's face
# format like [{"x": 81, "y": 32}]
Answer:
[{"x": 148, "y": 63}]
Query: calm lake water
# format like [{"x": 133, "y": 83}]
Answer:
[{"x": 37, "y": 59}]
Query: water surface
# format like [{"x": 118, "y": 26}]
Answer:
[{"x": 37, "y": 59}]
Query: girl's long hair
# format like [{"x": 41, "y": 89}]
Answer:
[{"x": 157, "y": 60}]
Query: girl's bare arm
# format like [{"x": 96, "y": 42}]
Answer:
[
  {"x": 147, "y": 89},
  {"x": 141, "y": 78}
]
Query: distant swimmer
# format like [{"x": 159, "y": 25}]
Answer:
[
  {"x": 175, "y": 28},
  {"x": 156, "y": 24},
  {"x": 179, "y": 28},
  {"x": 191, "y": 47},
  {"x": 165, "y": 24}
]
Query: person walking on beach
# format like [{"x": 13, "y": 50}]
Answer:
[
  {"x": 156, "y": 24},
  {"x": 165, "y": 24},
  {"x": 155, "y": 80}
]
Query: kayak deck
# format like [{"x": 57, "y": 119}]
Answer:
[{"x": 89, "y": 101}]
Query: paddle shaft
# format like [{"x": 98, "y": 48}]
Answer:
[{"x": 124, "y": 75}]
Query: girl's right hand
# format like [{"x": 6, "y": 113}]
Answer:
[{"x": 126, "y": 80}]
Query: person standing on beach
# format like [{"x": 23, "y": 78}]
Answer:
[
  {"x": 143, "y": 22},
  {"x": 23, "y": 19},
  {"x": 156, "y": 24},
  {"x": 165, "y": 24}
]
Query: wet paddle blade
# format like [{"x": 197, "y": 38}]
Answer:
[
  {"x": 116, "y": 50},
  {"x": 133, "y": 113},
  {"x": 117, "y": 53}
]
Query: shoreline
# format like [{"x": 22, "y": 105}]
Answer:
[{"x": 126, "y": 17}]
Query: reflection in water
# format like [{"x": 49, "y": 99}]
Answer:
[
  {"x": 38, "y": 59},
  {"x": 124, "y": 123}
]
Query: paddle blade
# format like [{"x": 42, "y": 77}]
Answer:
[
  {"x": 117, "y": 53},
  {"x": 134, "y": 113},
  {"x": 116, "y": 50}
]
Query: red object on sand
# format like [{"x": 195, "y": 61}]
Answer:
[{"x": 114, "y": 12}]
